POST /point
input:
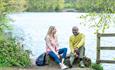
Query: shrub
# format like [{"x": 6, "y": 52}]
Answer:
[
  {"x": 12, "y": 54},
  {"x": 97, "y": 66}
]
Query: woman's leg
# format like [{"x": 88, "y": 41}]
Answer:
[
  {"x": 63, "y": 51},
  {"x": 54, "y": 56}
]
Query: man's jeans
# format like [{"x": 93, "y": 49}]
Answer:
[{"x": 81, "y": 51}]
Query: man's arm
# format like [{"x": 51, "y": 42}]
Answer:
[{"x": 81, "y": 43}]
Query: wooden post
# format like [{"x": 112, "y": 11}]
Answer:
[{"x": 98, "y": 48}]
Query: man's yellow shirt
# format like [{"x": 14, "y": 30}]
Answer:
[{"x": 76, "y": 41}]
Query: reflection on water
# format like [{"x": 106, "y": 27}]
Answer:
[{"x": 33, "y": 28}]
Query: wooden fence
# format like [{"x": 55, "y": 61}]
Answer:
[{"x": 99, "y": 48}]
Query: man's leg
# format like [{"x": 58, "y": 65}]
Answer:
[
  {"x": 81, "y": 55},
  {"x": 81, "y": 52},
  {"x": 72, "y": 58}
]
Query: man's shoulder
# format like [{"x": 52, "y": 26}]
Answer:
[{"x": 82, "y": 34}]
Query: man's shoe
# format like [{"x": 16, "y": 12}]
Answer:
[
  {"x": 70, "y": 66},
  {"x": 82, "y": 64}
]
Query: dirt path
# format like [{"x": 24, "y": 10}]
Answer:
[{"x": 43, "y": 68}]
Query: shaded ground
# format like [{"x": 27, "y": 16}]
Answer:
[
  {"x": 51, "y": 66},
  {"x": 47, "y": 67}
]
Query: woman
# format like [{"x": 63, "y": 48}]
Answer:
[{"x": 52, "y": 47}]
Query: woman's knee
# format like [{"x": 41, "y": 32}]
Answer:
[{"x": 65, "y": 49}]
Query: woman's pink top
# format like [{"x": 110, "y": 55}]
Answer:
[{"x": 53, "y": 43}]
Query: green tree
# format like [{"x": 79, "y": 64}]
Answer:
[
  {"x": 11, "y": 53},
  {"x": 10, "y": 6},
  {"x": 95, "y": 5},
  {"x": 45, "y": 5},
  {"x": 70, "y": 3},
  {"x": 99, "y": 21}
]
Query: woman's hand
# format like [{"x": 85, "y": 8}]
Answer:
[{"x": 59, "y": 56}]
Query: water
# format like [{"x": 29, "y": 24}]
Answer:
[{"x": 33, "y": 28}]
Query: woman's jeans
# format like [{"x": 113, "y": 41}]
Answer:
[{"x": 62, "y": 51}]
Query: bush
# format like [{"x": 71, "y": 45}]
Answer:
[
  {"x": 12, "y": 54},
  {"x": 97, "y": 66}
]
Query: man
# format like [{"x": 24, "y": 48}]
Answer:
[{"x": 76, "y": 44}]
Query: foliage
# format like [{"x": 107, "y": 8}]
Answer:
[
  {"x": 45, "y": 5},
  {"x": 70, "y": 3},
  {"x": 98, "y": 21},
  {"x": 96, "y": 5},
  {"x": 8, "y": 6},
  {"x": 97, "y": 66},
  {"x": 11, "y": 53}
]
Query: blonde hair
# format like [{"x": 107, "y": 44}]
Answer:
[{"x": 51, "y": 28}]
